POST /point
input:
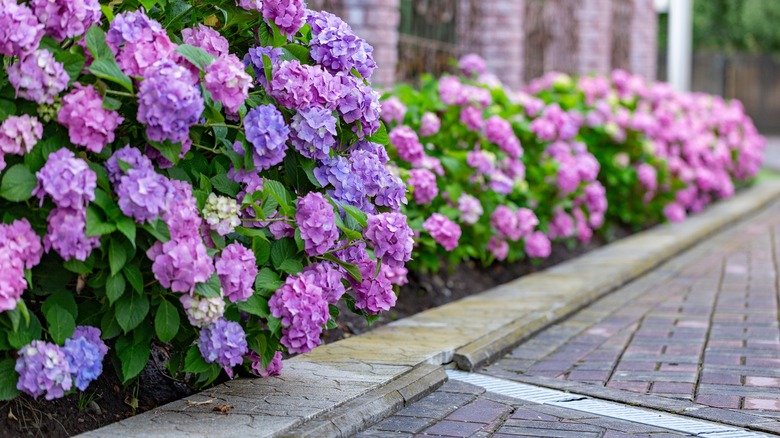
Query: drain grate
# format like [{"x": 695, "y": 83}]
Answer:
[{"x": 535, "y": 394}]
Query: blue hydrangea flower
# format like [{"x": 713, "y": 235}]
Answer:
[{"x": 268, "y": 133}]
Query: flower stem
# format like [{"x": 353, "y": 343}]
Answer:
[{"x": 119, "y": 93}]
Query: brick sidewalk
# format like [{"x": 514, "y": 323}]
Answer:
[
  {"x": 708, "y": 334},
  {"x": 461, "y": 410}
]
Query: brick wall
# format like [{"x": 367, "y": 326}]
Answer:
[
  {"x": 595, "y": 31},
  {"x": 644, "y": 41},
  {"x": 377, "y": 22}
]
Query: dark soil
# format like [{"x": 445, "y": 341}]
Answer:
[{"x": 107, "y": 401}]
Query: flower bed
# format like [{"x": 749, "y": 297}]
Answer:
[
  {"x": 210, "y": 181},
  {"x": 510, "y": 172},
  {"x": 214, "y": 188}
]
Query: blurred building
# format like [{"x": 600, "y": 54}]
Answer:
[{"x": 520, "y": 39}]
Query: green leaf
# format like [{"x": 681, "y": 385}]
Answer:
[
  {"x": 18, "y": 184},
  {"x": 115, "y": 287},
  {"x": 148, "y": 4},
  {"x": 171, "y": 151},
  {"x": 126, "y": 226},
  {"x": 282, "y": 250},
  {"x": 351, "y": 269},
  {"x": 291, "y": 266},
  {"x": 72, "y": 62},
  {"x": 194, "y": 362},
  {"x": 62, "y": 299},
  {"x": 109, "y": 326},
  {"x": 8, "y": 380},
  {"x": 159, "y": 230},
  {"x": 280, "y": 194},
  {"x": 380, "y": 136},
  {"x": 26, "y": 333},
  {"x": 255, "y": 305},
  {"x": 109, "y": 70},
  {"x": 199, "y": 57},
  {"x": 134, "y": 277},
  {"x": 97, "y": 224},
  {"x": 267, "y": 280},
  {"x": 166, "y": 321},
  {"x": 262, "y": 249},
  {"x": 251, "y": 232},
  {"x": 296, "y": 51},
  {"x": 96, "y": 43},
  {"x": 61, "y": 323},
  {"x": 225, "y": 185},
  {"x": 130, "y": 310},
  {"x": 133, "y": 352},
  {"x": 117, "y": 257},
  {"x": 211, "y": 288},
  {"x": 356, "y": 213}
]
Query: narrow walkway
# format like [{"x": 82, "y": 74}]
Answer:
[{"x": 705, "y": 333}]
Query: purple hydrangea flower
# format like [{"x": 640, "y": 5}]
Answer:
[
  {"x": 499, "y": 248},
  {"x": 562, "y": 225},
  {"x": 67, "y": 234},
  {"x": 207, "y": 39},
  {"x": 67, "y": 18},
  {"x": 568, "y": 178},
  {"x": 359, "y": 103},
  {"x": 472, "y": 65},
  {"x": 506, "y": 223},
  {"x": 470, "y": 209},
  {"x": 328, "y": 277},
  {"x": 203, "y": 311},
  {"x": 223, "y": 342},
  {"x": 303, "y": 311},
  {"x": 499, "y": 131},
  {"x": 85, "y": 352},
  {"x": 168, "y": 102},
  {"x": 268, "y": 133},
  {"x": 375, "y": 293},
  {"x": 443, "y": 230},
  {"x": 354, "y": 253},
  {"x": 391, "y": 237},
  {"x": 250, "y": 5},
  {"x": 180, "y": 264},
  {"x": 451, "y": 91},
  {"x": 397, "y": 276},
  {"x": 130, "y": 155},
  {"x": 336, "y": 47},
  {"x": 254, "y": 57},
  {"x": 393, "y": 110},
  {"x": 43, "y": 370},
  {"x": 287, "y": 14},
  {"x": 237, "y": 270},
  {"x": 430, "y": 125},
  {"x": 227, "y": 82},
  {"x": 221, "y": 214},
  {"x": 131, "y": 27},
  {"x": 135, "y": 58},
  {"x": 538, "y": 245},
  {"x": 67, "y": 179},
  {"x": 348, "y": 187},
  {"x": 20, "y": 239},
  {"x": 12, "y": 281},
  {"x": 317, "y": 223},
  {"x": 19, "y": 134},
  {"x": 471, "y": 116},
  {"x": 527, "y": 221},
  {"x": 313, "y": 132},
  {"x": 38, "y": 77},
  {"x": 675, "y": 212},
  {"x": 20, "y": 31},
  {"x": 88, "y": 123},
  {"x": 291, "y": 83},
  {"x": 143, "y": 193},
  {"x": 423, "y": 183},
  {"x": 274, "y": 368},
  {"x": 182, "y": 217},
  {"x": 648, "y": 176},
  {"x": 407, "y": 144}
]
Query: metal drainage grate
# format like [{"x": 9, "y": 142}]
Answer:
[{"x": 535, "y": 394}]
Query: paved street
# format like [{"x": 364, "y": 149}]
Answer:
[{"x": 702, "y": 329}]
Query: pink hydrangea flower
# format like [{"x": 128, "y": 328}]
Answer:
[
  {"x": 430, "y": 125},
  {"x": 12, "y": 282},
  {"x": 538, "y": 245},
  {"x": 227, "y": 81},
  {"x": 562, "y": 225},
  {"x": 88, "y": 123},
  {"x": 375, "y": 293},
  {"x": 180, "y": 264},
  {"x": 472, "y": 117},
  {"x": 328, "y": 277},
  {"x": 499, "y": 248},
  {"x": 18, "y": 134},
  {"x": 423, "y": 183},
  {"x": 648, "y": 176},
  {"x": 303, "y": 311},
  {"x": 19, "y": 238},
  {"x": 470, "y": 209},
  {"x": 237, "y": 270},
  {"x": 20, "y": 31},
  {"x": 391, "y": 237},
  {"x": 207, "y": 39},
  {"x": 67, "y": 18},
  {"x": 67, "y": 179},
  {"x": 393, "y": 110},
  {"x": 67, "y": 234},
  {"x": 407, "y": 144},
  {"x": 316, "y": 221},
  {"x": 443, "y": 230},
  {"x": 38, "y": 77},
  {"x": 675, "y": 212}
]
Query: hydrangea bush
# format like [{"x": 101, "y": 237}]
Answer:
[
  {"x": 500, "y": 174},
  {"x": 209, "y": 175}
]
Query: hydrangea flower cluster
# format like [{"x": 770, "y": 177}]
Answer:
[
  {"x": 288, "y": 15},
  {"x": 66, "y": 18},
  {"x": 327, "y": 277},
  {"x": 375, "y": 293},
  {"x": 313, "y": 132},
  {"x": 223, "y": 342},
  {"x": 267, "y": 132},
  {"x": 143, "y": 193},
  {"x": 84, "y": 352},
  {"x": 237, "y": 270},
  {"x": 221, "y": 214},
  {"x": 391, "y": 238},
  {"x": 337, "y": 48},
  {"x": 88, "y": 123},
  {"x": 317, "y": 223},
  {"x": 20, "y": 31},
  {"x": 423, "y": 183},
  {"x": 43, "y": 370},
  {"x": 18, "y": 135},
  {"x": 303, "y": 310},
  {"x": 227, "y": 82},
  {"x": 38, "y": 77},
  {"x": 207, "y": 39},
  {"x": 443, "y": 230},
  {"x": 203, "y": 311}
]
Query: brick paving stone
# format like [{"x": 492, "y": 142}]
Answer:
[
  {"x": 719, "y": 401},
  {"x": 404, "y": 424},
  {"x": 672, "y": 388},
  {"x": 479, "y": 411},
  {"x": 454, "y": 428},
  {"x": 762, "y": 404}
]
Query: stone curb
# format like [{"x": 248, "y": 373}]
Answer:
[{"x": 339, "y": 388}]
